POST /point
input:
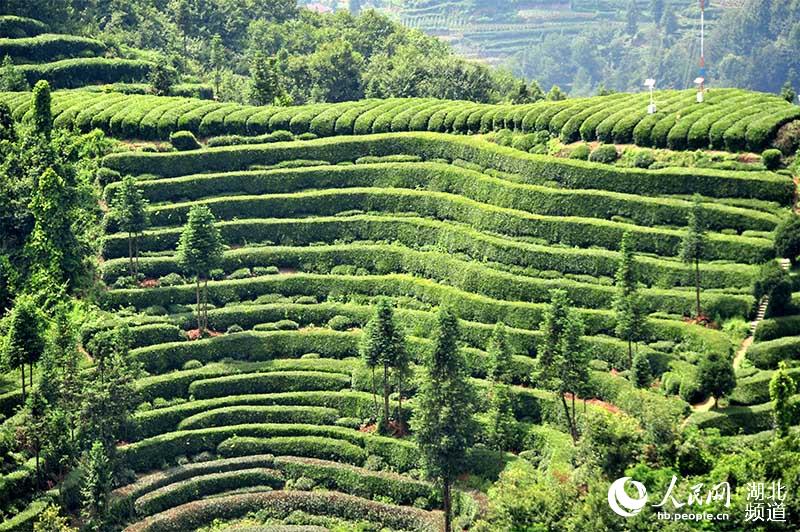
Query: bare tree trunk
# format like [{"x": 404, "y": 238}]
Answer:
[
  {"x": 446, "y": 505},
  {"x": 630, "y": 354},
  {"x": 199, "y": 317},
  {"x": 22, "y": 369},
  {"x": 572, "y": 431},
  {"x": 130, "y": 254},
  {"x": 697, "y": 284},
  {"x": 136, "y": 255},
  {"x": 30, "y": 375},
  {"x": 386, "y": 394},
  {"x": 400, "y": 405},
  {"x": 205, "y": 304},
  {"x": 374, "y": 394}
]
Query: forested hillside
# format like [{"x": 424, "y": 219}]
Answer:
[{"x": 267, "y": 270}]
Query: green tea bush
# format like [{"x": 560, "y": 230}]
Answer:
[
  {"x": 184, "y": 141},
  {"x": 604, "y": 153}
]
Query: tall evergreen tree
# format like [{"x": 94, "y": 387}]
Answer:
[
  {"x": 627, "y": 305},
  {"x": 96, "y": 487},
  {"x": 25, "y": 339},
  {"x": 217, "y": 61},
  {"x": 502, "y": 423},
  {"x": 383, "y": 343},
  {"x": 200, "y": 251},
  {"x": 129, "y": 210},
  {"x": 42, "y": 113},
  {"x": 500, "y": 360},
  {"x": 11, "y": 78},
  {"x": 693, "y": 247},
  {"x": 641, "y": 372},
  {"x": 33, "y": 427},
  {"x": 444, "y": 407},
  {"x": 781, "y": 388},
  {"x": 265, "y": 83}
]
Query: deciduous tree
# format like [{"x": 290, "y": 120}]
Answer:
[
  {"x": 781, "y": 388},
  {"x": 716, "y": 376}
]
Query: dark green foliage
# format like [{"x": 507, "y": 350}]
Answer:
[
  {"x": 199, "y": 252},
  {"x": 581, "y": 152},
  {"x": 79, "y": 72},
  {"x": 773, "y": 281},
  {"x": 502, "y": 432},
  {"x": 184, "y": 141},
  {"x": 445, "y": 402},
  {"x": 499, "y": 351},
  {"x": 129, "y": 212},
  {"x": 96, "y": 487},
  {"x": 715, "y": 375},
  {"x": 771, "y": 159},
  {"x": 265, "y": 84},
  {"x": 694, "y": 245},
  {"x": 787, "y": 238},
  {"x": 604, "y": 153},
  {"x": 11, "y": 78},
  {"x": 162, "y": 77},
  {"x": 641, "y": 373},
  {"x": 42, "y": 114},
  {"x": 25, "y": 338}
]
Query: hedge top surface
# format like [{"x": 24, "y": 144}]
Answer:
[{"x": 469, "y": 117}]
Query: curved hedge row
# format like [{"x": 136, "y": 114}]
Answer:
[
  {"x": 47, "y": 48},
  {"x": 240, "y": 415},
  {"x": 618, "y": 117},
  {"x": 774, "y": 328},
  {"x": 278, "y": 381},
  {"x": 304, "y": 446},
  {"x": 453, "y": 238},
  {"x": 566, "y": 172},
  {"x": 204, "y": 485},
  {"x": 77, "y": 72},
  {"x": 19, "y": 27},
  {"x": 767, "y": 355},
  {"x": 565, "y": 230},
  {"x": 279, "y": 504}
]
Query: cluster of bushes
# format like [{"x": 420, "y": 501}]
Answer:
[
  {"x": 767, "y": 354},
  {"x": 754, "y": 390},
  {"x": 568, "y": 173},
  {"x": 616, "y": 118},
  {"x": 235, "y": 140},
  {"x": 240, "y": 415},
  {"x": 774, "y": 328},
  {"x": 279, "y": 504},
  {"x": 305, "y": 446}
]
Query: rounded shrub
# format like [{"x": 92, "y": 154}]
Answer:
[
  {"x": 184, "y": 141},
  {"x": 787, "y": 238},
  {"x": 604, "y": 153},
  {"x": 580, "y": 152},
  {"x": 192, "y": 364},
  {"x": 771, "y": 159}
]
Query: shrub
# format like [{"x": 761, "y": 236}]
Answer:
[
  {"x": 184, "y": 141},
  {"x": 604, "y": 153},
  {"x": 787, "y": 238},
  {"x": 241, "y": 273},
  {"x": 240, "y": 415},
  {"x": 257, "y": 383},
  {"x": 341, "y": 323},
  {"x": 766, "y": 355},
  {"x": 233, "y": 329},
  {"x": 192, "y": 364},
  {"x": 771, "y": 159},
  {"x": 643, "y": 159},
  {"x": 580, "y": 152},
  {"x": 171, "y": 279}
]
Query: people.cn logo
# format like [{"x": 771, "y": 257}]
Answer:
[{"x": 622, "y": 503}]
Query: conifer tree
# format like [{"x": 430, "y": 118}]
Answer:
[
  {"x": 200, "y": 251},
  {"x": 96, "y": 487},
  {"x": 500, "y": 360},
  {"x": 42, "y": 113},
  {"x": 445, "y": 402},
  {"x": 641, "y": 372},
  {"x": 129, "y": 210},
  {"x": 25, "y": 341},
  {"x": 265, "y": 85},
  {"x": 781, "y": 388},
  {"x": 627, "y": 305},
  {"x": 217, "y": 61},
  {"x": 693, "y": 247},
  {"x": 502, "y": 423}
]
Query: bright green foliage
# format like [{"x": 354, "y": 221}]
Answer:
[
  {"x": 96, "y": 487},
  {"x": 502, "y": 429},
  {"x": 693, "y": 247},
  {"x": 641, "y": 373},
  {"x": 129, "y": 211},
  {"x": 787, "y": 238},
  {"x": 337, "y": 72},
  {"x": 628, "y": 306},
  {"x": 771, "y": 158},
  {"x": 611, "y": 441},
  {"x": 781, "y": 388},
  {"x": 562, "y": 356},
  {"x": 24, "y": 341},
  {"x": 162, "y": 77},
  {"x": 217, "y": 60},
  {"x": 265, "y": 85},
  {"x": 199, "y": 252},
  {"x": 444, "y": 406},
  {"x": 51, "y": 520},
  {"x": 500, "y": 359},
  {"x": 715, "y": 375},
  {"x": 11, "y": 79},
  {"x": 604, "y": 153},
  {"x": 42, "y": 114},
  {"x": 183, "y": 141},
  {"x": 556, "y": 94}
]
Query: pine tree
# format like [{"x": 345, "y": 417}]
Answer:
[
  {"x": 265, "y": 84},
  {"x": 42, "y": 113},
  {"x": 500, "y": 359},
  {"x": 627, "y": 304},
  {"x": 162, "y": 77},
  {"x": 25, "y": 341},
  {"x": 63, "y": 344},
  {"x": 383, "y": 342},
  {"x": 200, "y": 251},
  {"x": 519, "y": 93},
  {"x": 694, "y": 245},
  {"x": 96, "y": 487},
  {"x": 11, "y": 78},
  {"x": 445, "y": 404},
  {"x": 502, "y": 428},
  {"x": 641, "y": 372},
  {"x": 129, "y": 210},
  {"x": 33, "y": 427},
  {"x": 556, "y": 94},
  {"x": 217, "y": 61},
  {"x": 781, "y": 388},
  {"x": 535, "y": 91}
]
